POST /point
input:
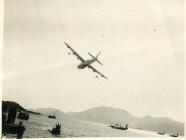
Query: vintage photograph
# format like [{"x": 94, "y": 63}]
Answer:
[{"x": 93, "y": 68}]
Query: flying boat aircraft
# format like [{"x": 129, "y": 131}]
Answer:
[{"x": 87, "y": 63}]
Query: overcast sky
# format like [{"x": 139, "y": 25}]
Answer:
[{"x": 142, "y": 48}]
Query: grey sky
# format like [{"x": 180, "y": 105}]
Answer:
[{"x": 142, "y": 52}]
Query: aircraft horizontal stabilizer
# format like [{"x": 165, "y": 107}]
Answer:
[{"x": 96, "y": 58}]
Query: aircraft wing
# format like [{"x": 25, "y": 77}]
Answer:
[
  {"x": 95, "y": 70},
  {"x": 75, "y": 53}
]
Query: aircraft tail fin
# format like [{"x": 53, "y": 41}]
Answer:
[
  {"x": 98, "y": 54},
  {"x": 96, "y": 58}
]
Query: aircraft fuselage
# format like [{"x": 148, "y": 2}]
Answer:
[{"x": 85, "y": 63}]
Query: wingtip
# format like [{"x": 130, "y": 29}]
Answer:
[
  {"x": 105, "y": 77},
  {"x": 67, "y": 45}
]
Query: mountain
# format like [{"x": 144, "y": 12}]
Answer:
[
  {"x": 51, "y": 111},
  {"x": 161, "y": 124},
  {"x": 18, "y": 107},
  {"x": 105, "y": 115},
  {"x": 10, "y": 105},
  {"x": 110, "y": 115}
]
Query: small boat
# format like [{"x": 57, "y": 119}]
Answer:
[
  {"x": 56, "y": 130},
  {"x": 14, "y": 129},
  {"x": 52, "y": 116},
  {"x": 23, "y": 116},
  {"x": 119, "y": 127},
  {"x": 162, "y": 133},
  {"x": 173, "y": 135}
]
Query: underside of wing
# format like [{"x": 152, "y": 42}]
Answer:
[
  {"x": 95, "y": 70},
  {"x": 75, "y": 53}
]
